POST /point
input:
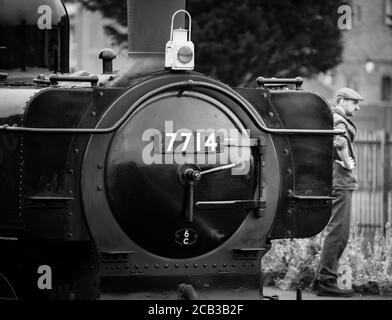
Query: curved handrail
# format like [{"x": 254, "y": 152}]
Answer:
[{"x": 187, "y": 83}]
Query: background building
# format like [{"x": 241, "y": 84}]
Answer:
[
  {"x": 366, "y": 64},
  {"x": 367, "y": 67}
]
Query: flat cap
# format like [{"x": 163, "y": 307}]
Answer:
[{"x": 347, "y": 93}]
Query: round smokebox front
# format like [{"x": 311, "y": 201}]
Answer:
[{"x": 173, "y": 170}]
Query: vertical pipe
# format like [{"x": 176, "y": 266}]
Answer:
[{"x": 386, "y": 173}]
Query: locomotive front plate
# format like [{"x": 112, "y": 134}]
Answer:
[{"x": 186, "y": 237}]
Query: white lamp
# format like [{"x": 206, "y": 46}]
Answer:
[{"x": 369, "y": 66}]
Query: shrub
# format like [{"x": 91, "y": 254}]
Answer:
[{"x": 369, "y": 260}]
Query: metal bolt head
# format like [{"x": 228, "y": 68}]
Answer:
[{"x": 197, "y": 175}]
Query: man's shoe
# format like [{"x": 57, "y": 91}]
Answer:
[{"x": 330, "y": 288}]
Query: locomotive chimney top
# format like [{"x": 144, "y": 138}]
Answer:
[
  {"x": 149, "y": 25},
  {"x": 148, "y": 31}
]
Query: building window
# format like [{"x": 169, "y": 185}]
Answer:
[
  {"x": 386, "y": 88},
  {"x": 388, "y": 12}
]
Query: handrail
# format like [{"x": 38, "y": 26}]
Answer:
[
  {"x": 298, "y": 81},
  {"x": 187, "y": 83},
  {"x": 54, "y": 79}
]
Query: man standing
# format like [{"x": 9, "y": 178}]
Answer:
[{"x": 344, "y": 182}]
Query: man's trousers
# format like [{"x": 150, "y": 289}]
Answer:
[{"x": 338, "y": 232}]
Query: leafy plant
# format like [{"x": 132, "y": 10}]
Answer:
[{"x": 369, "y": 259}]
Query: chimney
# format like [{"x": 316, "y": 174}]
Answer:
[
  {"x": 149, "y": 25},
  {"x": 148, "y": 31}
]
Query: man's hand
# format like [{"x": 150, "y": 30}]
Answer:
[{"x": 349, "y": 164}]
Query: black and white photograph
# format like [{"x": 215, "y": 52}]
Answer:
[{"x": 233, "y": 153}]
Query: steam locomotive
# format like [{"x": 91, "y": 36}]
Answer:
[{"x": 154, "y": 175}]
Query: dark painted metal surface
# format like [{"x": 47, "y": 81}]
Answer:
[
  {"x": 98, "y": 188},
  {"x": 312, "y": 160},
  {"x": 73, "y": 265},
  {"x": 13, "y": 102},
  {"x": 49, "y": 161},
  {"x": 47, "y": 198},
  {"x": 249, "y": 110},
  {"x": 208, "y": 287},
  {"x": 148, "y": 200},
  {"x": 30, "y": 40},
  {"x": 305, "y": 160},
  {"x": 239, "y": 254}
]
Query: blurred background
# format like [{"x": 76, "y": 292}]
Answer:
[{"x": 237, "y": 41}]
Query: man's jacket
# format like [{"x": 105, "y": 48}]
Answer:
[{"x": 342, "y": 177}]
